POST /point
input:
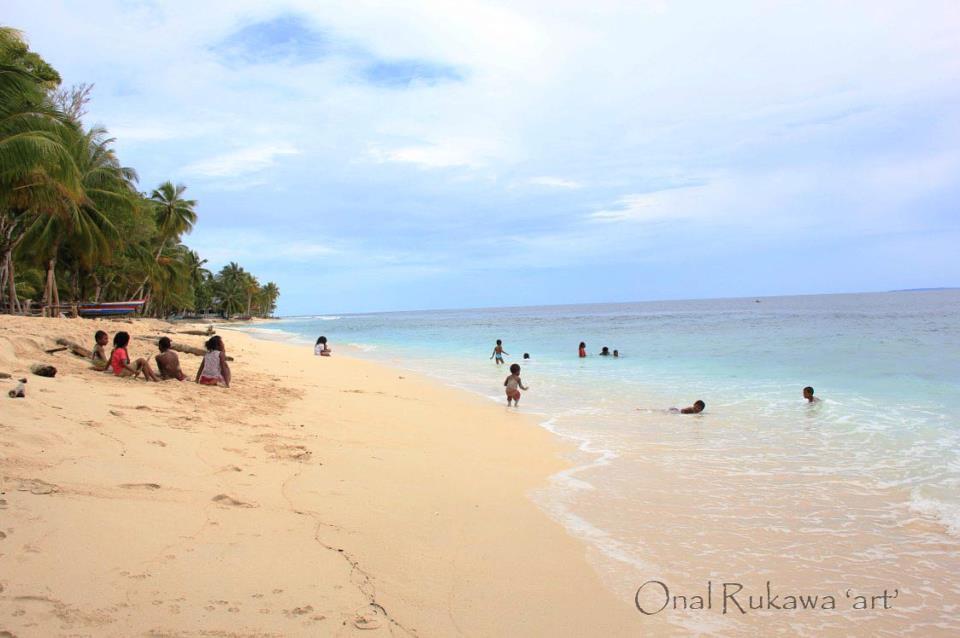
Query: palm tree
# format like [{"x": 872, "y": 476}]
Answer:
[
  {"x": 81, "y": 230},
  {"x": 231, "y": 288},
  {"x": 32, "y": 149},
  {"x": 269, "y": 293},
  {"x": 175, "y": 216}
]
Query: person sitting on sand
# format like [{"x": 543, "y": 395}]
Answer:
[
  {"x": 604, "y": 351},
  {"x": 513, "y": 385},
  {"x": 808, "y": 395},
  {"x": 582, "y": 352},
  {"x": 213, "y": 369},
  {"x": 168, "y": 363},
  {"x": 99, "y": 354},
  {"x": 696, "y": 408},
  {"x": 321, "y": 349},
  {"x": 120, "y": 360},
  {"x": 498, "y": 352}
]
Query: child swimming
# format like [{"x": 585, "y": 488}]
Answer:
[
  {"x": 696, "y": 408},
  {"x": 808, "y": 395},
  {"x": 513, "y": 385},
  {"x": 498, "y": 352}
]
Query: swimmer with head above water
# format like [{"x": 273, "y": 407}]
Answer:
[{"x": 696, "y": 408}]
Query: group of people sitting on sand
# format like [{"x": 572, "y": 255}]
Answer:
[{"x": 213, "y": 370}]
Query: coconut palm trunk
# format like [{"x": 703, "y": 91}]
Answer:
[{"x": 51, "y": 296}]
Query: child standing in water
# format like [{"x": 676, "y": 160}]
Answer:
[
  {"x": 582, "y": 352},
  {"x": 498, "y": 352},
  {"x": 213, "y": 369},
  {"x": 513, "y": 385}
]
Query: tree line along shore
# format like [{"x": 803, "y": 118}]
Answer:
[{"x": 74, "y": 226}]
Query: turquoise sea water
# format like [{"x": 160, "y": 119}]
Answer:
[{"x": 872, "y": 471}]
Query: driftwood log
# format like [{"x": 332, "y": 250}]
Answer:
[
  {"x": 179, "y": 347},
  {"x": 209, "y": 332},
  {"x": 75, "y": 348}
]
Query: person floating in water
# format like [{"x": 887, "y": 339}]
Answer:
[
  {"x": 526, "y": 355},
  {"x": 808, "y": 395},
  {"x": 498, "y": 352},
  {"x": 321, "y": 349},
  {"x": 696, "y": 408},
  {"x": 583, "y": 350},
  {"x": 604, "y": 351},
  {"x": 616, "y": 353},
  {"x": 513, "y": 385}
]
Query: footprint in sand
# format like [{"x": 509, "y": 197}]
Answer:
[
  {"x": 143, "y": 407},
  {"x": 159, "y": 443},
  {"x": 230, "y": 468},
  {"x": 36, "y": 486},
  {"x": 3, "y": 503},
  {"x": 116, "y": 412},
  {"x": 368, "y": 619},
  {"x": 299, "y": 611},
  {"x": 223, "y": 499},
  {"x": 2, "y": 536},
  {"x": 140, "y": 486},
  {"x": 290, "y": 452}
]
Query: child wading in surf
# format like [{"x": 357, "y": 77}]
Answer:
[
  {"x": 513, "y": 385},
  {"x": 498, "y": 352}
]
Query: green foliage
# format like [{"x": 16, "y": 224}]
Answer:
[{"x": 72, "y": 224}]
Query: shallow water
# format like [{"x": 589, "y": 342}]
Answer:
[{"x": 856, "y": 492}]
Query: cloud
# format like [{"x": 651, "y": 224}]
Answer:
[
  {"x": 671, "y": 203},
  {"x": 240, "y": 162},
  {"x": 290, "y": 40},
  {"x": 428, "y": 156},
  {"x": 406, "y": 73},
  {"x": 285, "y": 39},
  {"x": 555, "y": 182}
]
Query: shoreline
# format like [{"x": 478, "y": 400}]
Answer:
[{"x": 412, "y": 526}]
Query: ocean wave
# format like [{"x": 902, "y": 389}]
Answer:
[
  {"x": 363, "y": 347},
  {"x": 325, "y": 317},
  {"x": 947, "y": 514}
]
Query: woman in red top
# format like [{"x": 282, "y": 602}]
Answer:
[
  {"x": 120, "y": 360},
  {"x": 583, "y": 350}
]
